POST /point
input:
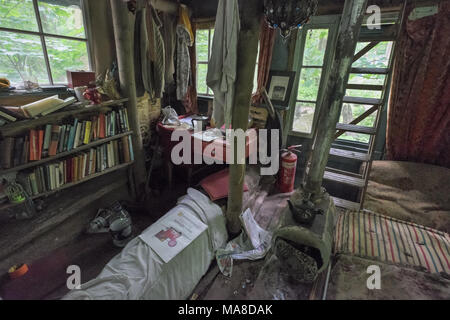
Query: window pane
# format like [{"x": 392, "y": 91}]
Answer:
[
  {"x": 377, "y": 57},
  {"x": 211, "y": 37},
  {"x": 201, "y": 45},
  {"x": 62, "y": 17},
  {"x": 22, "y": 58},
  {"x": 303, "y": 117},
  {"x": 353, "y": 136},
  {"x": 66, "y": 55},
  {"x": 308, "y": 87},
  {"x": 18, "y": 14},
  {"x": 367, "y": 79},
  {"x": 363, "y": 93},
  {"x": 352, "y": 111},
  {"x": 202, "y": 70},
  {"x": 315, "y": 46}
]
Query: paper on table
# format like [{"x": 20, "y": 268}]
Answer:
[{"x": 173, "y": 232}]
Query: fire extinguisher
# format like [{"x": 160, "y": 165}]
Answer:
[{"x": 286, "y": 177}]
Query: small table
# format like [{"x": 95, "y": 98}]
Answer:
[{"x": 165, "y": 133}]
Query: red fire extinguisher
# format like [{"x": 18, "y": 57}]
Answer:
[{"x": 286, "y": 175}]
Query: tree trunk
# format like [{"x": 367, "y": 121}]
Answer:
[
  {"x": 123, "y": 34},
  {"x": 330, "y": 109},
  {"x": 250, "y": 12}
]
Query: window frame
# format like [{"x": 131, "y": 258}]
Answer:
[
  {"x": 209, "y": 92},
  {"x": 330, "y": 22},
  {"x": 41, "y": 34}
]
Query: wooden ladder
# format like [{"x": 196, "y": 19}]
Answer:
[{"x": 360, "y": 180}]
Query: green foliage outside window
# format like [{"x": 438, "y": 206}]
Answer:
[{"x": 22, "y": 55}]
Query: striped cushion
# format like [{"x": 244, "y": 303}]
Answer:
[{"x": 377, "y": 237}]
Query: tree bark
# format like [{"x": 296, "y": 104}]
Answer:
[
  {"x": 330, "y": 110},
  {"x": 123, "y": 34},
  {"x": 250, "y": 12}
]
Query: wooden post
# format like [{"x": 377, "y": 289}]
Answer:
[
  {"x": 330, "y": 110},
  {"x": 250, "y": 15},
  {"x": 123, "y": 34}
]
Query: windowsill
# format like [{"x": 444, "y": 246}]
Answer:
[
  {"x": 34, "y": 92},
  {"x": 203, "y": 97}
]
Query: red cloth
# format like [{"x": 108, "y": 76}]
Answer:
[
  {"x": 266, "y": 42},
  {"x": 216, "y": 185},
  {"x": 419, "y": 112},
  {"x": 190, "y": 100}
]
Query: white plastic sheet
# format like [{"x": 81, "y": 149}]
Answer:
[{"x": 139, "y": 273}]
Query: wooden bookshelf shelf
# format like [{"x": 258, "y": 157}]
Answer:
[
  {"x": 85, "y": 179},
  {"x": 18, "y": 127},
  {"x": 64, "y": 154},
  {"x": 9, "y": 205}
]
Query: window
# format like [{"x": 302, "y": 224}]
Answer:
[
  {"x": 372, "y": 86},
  {"x": 41, "y": 39},
  {"x": 203, "y": 42},
  {"x": 310, "y": 71}
]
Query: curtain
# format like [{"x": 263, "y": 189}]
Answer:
[
  {"x": 419, "y": 111},
  {"x": 266, "y": 42},
  {"x": 190, "y": 101}
]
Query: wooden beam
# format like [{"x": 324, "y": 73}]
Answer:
[
  {"x": 250, "y": 16},
  {"x": 357, "y": 120},
  {"x": 364, "y": 50},
  {"x": 124, "y": 34},
  {"x": 331, "y": 104}
]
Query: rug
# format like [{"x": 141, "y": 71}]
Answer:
[{"x": 377, "y": 237}]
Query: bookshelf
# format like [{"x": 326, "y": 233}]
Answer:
[
  {"x": 115, "y": 132},
  {"x": 65, "y": 154},
  {"x": 16, "y": 128},
  {"x": 85, "y": 179}
]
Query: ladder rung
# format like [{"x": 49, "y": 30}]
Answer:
[
  {"x": 341, "y": 178},
  {"x": 349, "y": 154},
  {"x": 358, "y": 100},
  {"x": 372, "y": 87},
  {"x": 370, "y": 70},
  {"x": 342, "y": 203},
  {"x": 355, "y": 128}
]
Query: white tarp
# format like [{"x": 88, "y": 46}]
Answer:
[
  {"x": 139, "y": 273},
  {"x": 173, "y": 232},
  {"x": 252, "y": 244}
]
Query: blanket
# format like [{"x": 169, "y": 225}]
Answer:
[{"x": 414, "y": 192}]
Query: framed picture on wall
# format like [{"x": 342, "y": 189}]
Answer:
[{"x": 279, "y": 87}]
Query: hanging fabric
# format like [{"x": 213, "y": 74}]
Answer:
[
  {"x": 185, "y": 39},
  {"x": 169, "y": 37},
  {"x": 221, "y": 74},
  {"x": 419, "y": 111},
  {"x": 156, "y": 51},
  {"x": 266, "y": 42},
  {"x": 190, "y": 101}
]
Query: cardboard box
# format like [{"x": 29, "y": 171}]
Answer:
[{"x": 79, "y": 78}]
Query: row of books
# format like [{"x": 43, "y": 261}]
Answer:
[
  {"x": 54, "y": 175},
  {"x": 53, "y": 139},
  {"x": 10, "y": 114}
]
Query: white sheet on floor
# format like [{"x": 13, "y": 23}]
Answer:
[{"x": 139, "y": 273}]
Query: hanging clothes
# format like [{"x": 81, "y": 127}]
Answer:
[
  {"x": 169, "y": 38},
  {"x": 221, "y": 74},
  {"x": 140, "y": 53},
  {"x": 156, "y": 52},
  {"x": 183, "y": 61}
]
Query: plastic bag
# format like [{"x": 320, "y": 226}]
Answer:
[{"x": 170, "y": 116}]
